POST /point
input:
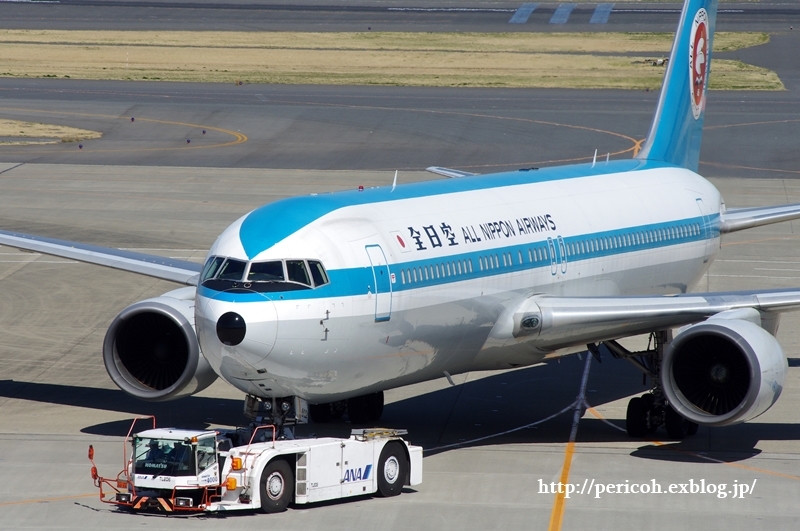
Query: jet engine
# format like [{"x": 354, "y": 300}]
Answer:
[
  {"x": 723, "y": 371},
  {"x": 151, "y": 349}
]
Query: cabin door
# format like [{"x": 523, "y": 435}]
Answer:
[{"x": 382, "y": 284}]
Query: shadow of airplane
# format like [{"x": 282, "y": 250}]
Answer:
[{"x": 453, "y": 416}]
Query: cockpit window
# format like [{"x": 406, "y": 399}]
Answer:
[
  {"x": 296, "y": 269},
  {"x": 318, "y": 273},
  {"x": 211, "y": 267},
  {"x": 228, "y": 274},
  {"x": 266, "y": 272},
  {"x": 232, "y": 270}
]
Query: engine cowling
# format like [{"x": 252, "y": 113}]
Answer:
[
  {"x": 723, "y": 371},
  {"x": 151, "y": 349}
]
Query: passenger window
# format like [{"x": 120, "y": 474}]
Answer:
[
  {"x": 318, "y": 273},
  {"x": 266, "y": 272},
  {"x": 296, "y": 271},
  {"x": 232, "y": 270},
  {"x": 211, "y": 267}
]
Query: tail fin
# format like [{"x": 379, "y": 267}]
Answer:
[{"x": 677, "y": 128}]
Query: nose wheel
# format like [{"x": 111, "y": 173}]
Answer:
[{"x": 360, "y": 409}]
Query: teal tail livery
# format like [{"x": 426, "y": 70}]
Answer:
[
  {"x": 677, "y": 129},
  {"x": 320, "y": 303}
]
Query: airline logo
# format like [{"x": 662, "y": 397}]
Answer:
[
  {"x": 427, "y": 237},
  {"x": 698, "y": 61},
  {"x": 356, "y": 474}
]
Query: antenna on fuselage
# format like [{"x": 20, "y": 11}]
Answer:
[
  {"x": 608, "y": 156},
  {"x": 394, "y": 183},
  {"x": 594, "y": 159}
]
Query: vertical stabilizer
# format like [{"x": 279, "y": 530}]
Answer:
[{"x": 677, "y": 128}]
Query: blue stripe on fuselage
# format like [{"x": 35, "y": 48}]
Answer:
[
  {"x": 269, "y": 224},
  {"x": 351, "y": 282}
]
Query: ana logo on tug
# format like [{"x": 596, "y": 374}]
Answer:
[{"x": 357, "y": 474}]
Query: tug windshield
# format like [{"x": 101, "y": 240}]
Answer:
[{"x": 163, "y": 457}]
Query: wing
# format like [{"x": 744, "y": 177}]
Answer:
[
  {"x": 447, "y": 172},
  {"x": 180, "y": 271},
  {"x": 745, "y": 218},
  {"x": 559, "y": 322}
]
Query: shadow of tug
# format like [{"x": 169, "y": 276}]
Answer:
[{"x": 453, "y": 415}]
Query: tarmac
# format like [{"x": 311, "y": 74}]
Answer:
[
  {"x": 56, "y": 399},
  {"x": 489, "y": 458}
]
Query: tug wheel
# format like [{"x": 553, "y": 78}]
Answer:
[{"x": 277, "y": 486}]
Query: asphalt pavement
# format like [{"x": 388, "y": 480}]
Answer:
[{"x": 142, "y": 186}]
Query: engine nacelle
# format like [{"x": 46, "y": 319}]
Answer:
[
  {"x": 151, "y": 349},
  {"x": 723, "y": 371}
]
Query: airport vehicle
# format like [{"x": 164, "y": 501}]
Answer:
[
  {"x": 334, "y": 298},
  {"x": 176, "y": 470}
]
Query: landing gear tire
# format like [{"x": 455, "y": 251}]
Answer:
[
  {"x": 392, "y": 470},
  {"x": 636, "y": 417},
  {"x": 677, "y": 426},
  {"x": 366, "y": 408},
  {"x": 319, "y": 413},
  {"x": 322, "y": 413},
  {"x": 277, "y": 486}
]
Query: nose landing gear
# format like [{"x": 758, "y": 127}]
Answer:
[
  {"x": 284, "y": 413},
  {"x": 360, "y": 409}
]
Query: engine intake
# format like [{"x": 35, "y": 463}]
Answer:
[
  {"x": 151, "y": 349},
  {"x": 723, "y": 371}
]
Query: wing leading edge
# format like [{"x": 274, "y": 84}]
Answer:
[
  {"x": 181, "y": 271},
  {"x": 736, "y": 219},
  {"x": 557, "y": 322}
]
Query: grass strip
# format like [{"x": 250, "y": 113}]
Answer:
[{"x": 547, "y": 60}]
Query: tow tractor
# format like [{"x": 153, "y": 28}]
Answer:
[{"x": 173, "y": 470}]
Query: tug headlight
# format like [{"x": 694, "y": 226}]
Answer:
[{"x": 183, "y": 502}]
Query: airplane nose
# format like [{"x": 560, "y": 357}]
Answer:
[{"x": 231, "y": 328}]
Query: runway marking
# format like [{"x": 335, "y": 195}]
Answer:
[
  {"x": 557, "y": 514},
  {"x": 562, "y": 14},
  {"x": 761, "y": 240},
  {"x": 489, "y": 116},
  {"x": 239, "y": 138},
  {"x": 761, "y": 261},
  {"x": 771, "y": 277},
  {"x": 522, "y": 14},
  {"x": 741, "y": 167},
  {"x": 634, "y": 148},
  {"x": 47, "y": 500},
  {"x": 601, "y": 14},
  {"x": 139, "y": 197},
  {"x": 38, "y": 262},
  {"x": 637, "y": 147},
  {"x": 744, "y": 124},
  {"x": 453, "y": 9},
  {"x": 666, "y": 446}
]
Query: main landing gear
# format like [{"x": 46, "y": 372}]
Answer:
[
  {"x": 360, "y": 409},
  {"x": 651, "y": 410}
]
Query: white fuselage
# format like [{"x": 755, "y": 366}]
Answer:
[{"x": 420, "y": 276}]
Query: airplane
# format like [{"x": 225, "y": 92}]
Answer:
[{"x": 315, "y": 305}]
